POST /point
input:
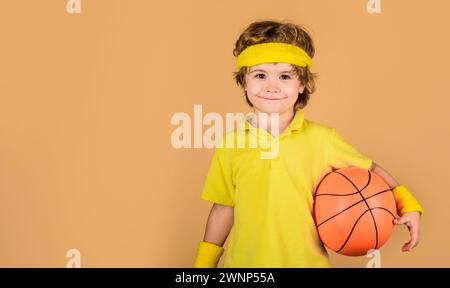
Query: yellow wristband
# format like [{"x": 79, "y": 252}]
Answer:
[
  {"x": 208, "y": 255},
  {"x": 405, "y": 201}
]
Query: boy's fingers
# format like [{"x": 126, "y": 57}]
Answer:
[
  {"x": 406, "y": 247},
  {"x": 414, "y": 233},
  {"x": 400, "y": 220}
]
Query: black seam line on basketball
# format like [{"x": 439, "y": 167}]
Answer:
[
  {"x": 352, "y": 206},
  {"x": 367, "y": 184},
  {"x": 382, "y": 208},
  {"x": 367, "y": 204},
  {"x": 329, "y": 194},
  {"x": 354, "y": 225}
]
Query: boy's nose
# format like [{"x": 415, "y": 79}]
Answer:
[{"x": 272, "y": 87}]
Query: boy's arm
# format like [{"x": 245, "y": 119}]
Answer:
[
  {"x": 409, "y": 208},
  {"x": 384, "y": 174},
  {"x": 220, "y": 222},
  {"x": 404, "y": 198}
]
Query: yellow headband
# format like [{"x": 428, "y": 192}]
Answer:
[{"x": 273, "y": 52}]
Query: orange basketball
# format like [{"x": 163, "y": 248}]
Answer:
[{"x": 353, "y": 211}]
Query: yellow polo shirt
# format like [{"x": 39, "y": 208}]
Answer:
[{"x": 273, "y": 196}]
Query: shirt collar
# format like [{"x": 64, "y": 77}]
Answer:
[{"x": 295, "y": 125}]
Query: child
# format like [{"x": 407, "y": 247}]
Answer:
[{"x": 268, "y": 202}]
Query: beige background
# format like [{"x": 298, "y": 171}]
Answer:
[{"x": 86, "y": 100}]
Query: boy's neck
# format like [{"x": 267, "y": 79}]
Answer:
[{"x": 283, "y": 121}]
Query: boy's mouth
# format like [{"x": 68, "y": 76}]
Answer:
[{"x": 271, "y": 99}]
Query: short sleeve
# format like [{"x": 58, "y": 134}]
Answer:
[
  {"x": 219, "y": 187},
  {"x": 341, "y": 154}
]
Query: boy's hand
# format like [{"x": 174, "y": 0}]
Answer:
[{"x": 411, "y": 220}]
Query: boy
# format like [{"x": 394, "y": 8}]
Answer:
[{"x": 268, "y": 202}]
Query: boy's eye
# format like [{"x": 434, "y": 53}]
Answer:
[
  {"x": 257, "y": 76},
  {"x": 262, "y": 76}
]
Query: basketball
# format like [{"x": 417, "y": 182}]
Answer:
[{"x": 354, "y": 210}]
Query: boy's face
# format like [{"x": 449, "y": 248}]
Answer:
[{"x": 273, "y": 88}]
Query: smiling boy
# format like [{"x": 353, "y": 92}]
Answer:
[{"x": 267, "y": 203}]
